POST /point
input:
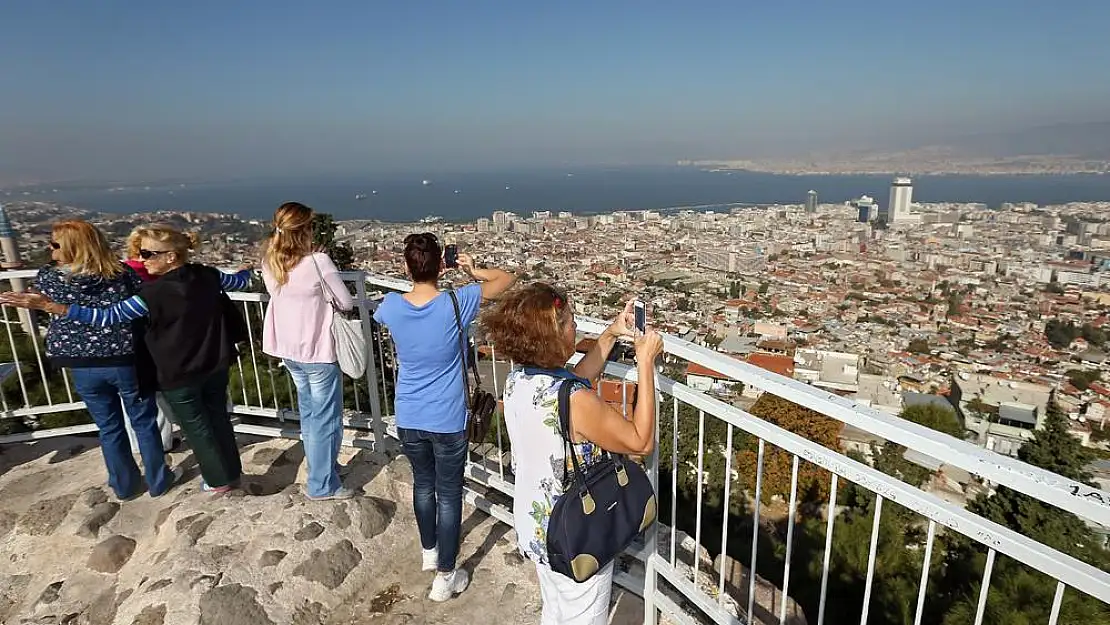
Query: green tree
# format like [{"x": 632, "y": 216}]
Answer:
[
  {"x": 813, "y": 482},
  {"x": 1019, "y": 594},
  {"x": 1082, "y": 379},
  {"x": 1060, "y": 334},
  {"x": 323, "y": 234}
]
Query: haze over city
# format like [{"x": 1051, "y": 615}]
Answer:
[{"x": 122, "y": 91}]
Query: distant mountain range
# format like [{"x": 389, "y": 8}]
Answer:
[
  {"x": 1085, "y": 140},
  {"x": 1056, "y": 149}
]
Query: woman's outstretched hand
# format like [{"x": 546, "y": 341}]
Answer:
[
  {"x": 623, "y": 323},
  {"x": 35, "y": 301}
]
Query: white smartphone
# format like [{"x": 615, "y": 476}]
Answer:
[{"x": 640, "y": 310}]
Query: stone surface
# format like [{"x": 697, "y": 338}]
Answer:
[
  {"x": 111, "y": 554},
  {"x": 271, "y": 558},
  {"x": 94, "y": 497},
  {"x": 151, "y": 615},
  {"x": 309, "y": 532},
  {"x": 233, "y": 604},
  {"x": 50, "y": 593},
  {"x": 97, "y": 518},
  {"x": 375, "y": 514},
  {"x": 339, "y": 517},
  {"x": 330, "y": 567},
  {"x": 43, "y": 517},
  {"x": 7, "y": 522},
  {"x": 190, "y": 546}
]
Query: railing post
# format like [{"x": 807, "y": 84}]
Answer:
[
  {"x": 651, "y": 614},
  {"x": 371, "y": 367}
]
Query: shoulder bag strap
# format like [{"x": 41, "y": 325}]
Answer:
[
  {"x": 462, "y": 348},
  {"x": 467, "y": 360},
  {"x": 566, "y": 387},
  {"x": 329, "y": 296}
]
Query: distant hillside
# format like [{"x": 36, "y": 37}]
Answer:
[{"x": 1087, "y": 140}]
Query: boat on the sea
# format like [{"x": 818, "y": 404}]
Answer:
[
  {"x": 360, "y": 196},
  {"x": 431, "y": 219}
]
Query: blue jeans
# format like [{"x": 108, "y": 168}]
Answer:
[
  {"x": 107, "y": 392},
  {"x": 437, "y": 488},
  {"x": 320, "y": 401}
]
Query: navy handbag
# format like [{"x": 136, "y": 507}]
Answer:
[{"x": 604, "y": 507}]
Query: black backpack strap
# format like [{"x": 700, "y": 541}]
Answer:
[
  {"x": 462, "y": 349},
  {"x": 463, "y": 342}
]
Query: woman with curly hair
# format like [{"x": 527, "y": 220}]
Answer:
[
  {"x": 534, "y": 327},
  {"x": 430, "y": 403}
]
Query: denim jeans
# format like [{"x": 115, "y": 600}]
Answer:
[
  {"x": 201, "y": 411},
  {"x": 320, "y": 401},
  {"x": 437, "y": 487},
  {"x": 108, "y": 392}
]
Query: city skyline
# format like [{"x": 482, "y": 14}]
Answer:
[{"x": 115, "y": 90}]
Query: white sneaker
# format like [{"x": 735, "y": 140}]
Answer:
[
  {"x": 447, "y": 585},
  {"x": 431, "y": 559}
]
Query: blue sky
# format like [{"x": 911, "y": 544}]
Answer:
[{"x": 124, "y": 89}]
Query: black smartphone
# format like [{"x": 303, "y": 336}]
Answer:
[
  {"x": 641, "y": 316},
  {"x": 451, "y": 256}
]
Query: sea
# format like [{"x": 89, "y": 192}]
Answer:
[{"x": 457, "y": 197}]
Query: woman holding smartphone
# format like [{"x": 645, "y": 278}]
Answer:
[{"x": 534, "y": 327}]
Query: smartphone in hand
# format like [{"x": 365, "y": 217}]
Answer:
[
  {"x": 640, "y": 312},
  {"x": 451, "y": 256}
]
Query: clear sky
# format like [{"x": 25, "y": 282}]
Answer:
[{"x": 127, "y": 89}]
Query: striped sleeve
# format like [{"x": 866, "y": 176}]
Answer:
[
  {"x": 235, "y": 281},
  {"x": 128, "y": 310}
]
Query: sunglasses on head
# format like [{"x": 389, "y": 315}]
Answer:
[{"x": 148, "y": 254}]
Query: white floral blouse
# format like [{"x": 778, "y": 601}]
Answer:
[{"x": 539, "y": 455}]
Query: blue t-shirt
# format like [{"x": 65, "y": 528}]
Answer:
[{"x": 430, "y": 394}]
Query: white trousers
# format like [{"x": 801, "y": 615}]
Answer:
[{"x": 566, "y": 602}]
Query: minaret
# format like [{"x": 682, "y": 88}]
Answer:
[{"x": 12, "y": 262}]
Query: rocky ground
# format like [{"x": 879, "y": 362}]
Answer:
[{"x": 70, "y": 553}]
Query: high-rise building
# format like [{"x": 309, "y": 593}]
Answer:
[
  {"x": 901, "y": 195},
  {"x": 867, "y": 209},
  {"x": 811, "y": 202},
  {"x": 483, "y": 224}
]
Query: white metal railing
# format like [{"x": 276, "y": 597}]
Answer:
[{"x": 671, "y": 576}]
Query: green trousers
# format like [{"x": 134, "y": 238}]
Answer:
[{"x": 201, "y": 411}]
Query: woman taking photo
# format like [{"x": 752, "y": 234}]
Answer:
[
  {"x": 534, "y": 327},
  {"x": 430, "y": 402},
  {"x": 192, "y": 329},
  {"x": 297, "y": 330},
  {"x": 101, "y": 359}
]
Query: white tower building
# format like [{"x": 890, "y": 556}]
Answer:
[{"x": 901, "y": 195}]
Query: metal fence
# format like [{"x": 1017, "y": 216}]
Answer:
[{"x": 701, "y": 439}]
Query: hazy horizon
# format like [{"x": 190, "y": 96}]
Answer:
[{"x": 123, "y": 91}]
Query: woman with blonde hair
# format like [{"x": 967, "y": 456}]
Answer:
[
  {"x": 101, "y": 358},
  {"x": 192, "y": 331},
  {"x": 534, "y": 327},
  {"x": 303, "y": 285}
]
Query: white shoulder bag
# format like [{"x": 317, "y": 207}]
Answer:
[{"x": 350, "y": 343}]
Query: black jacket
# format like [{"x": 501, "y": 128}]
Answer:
[{"x": 192, "y": 326}]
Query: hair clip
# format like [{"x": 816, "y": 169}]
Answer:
[{"x": 558, "y": 303}]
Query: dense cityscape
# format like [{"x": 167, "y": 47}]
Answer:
[
  {"x": 868, "y": 299},
  {"x": 994, "y": 315}
]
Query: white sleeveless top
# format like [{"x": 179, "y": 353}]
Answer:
[{"x": 539, "y": 455}]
